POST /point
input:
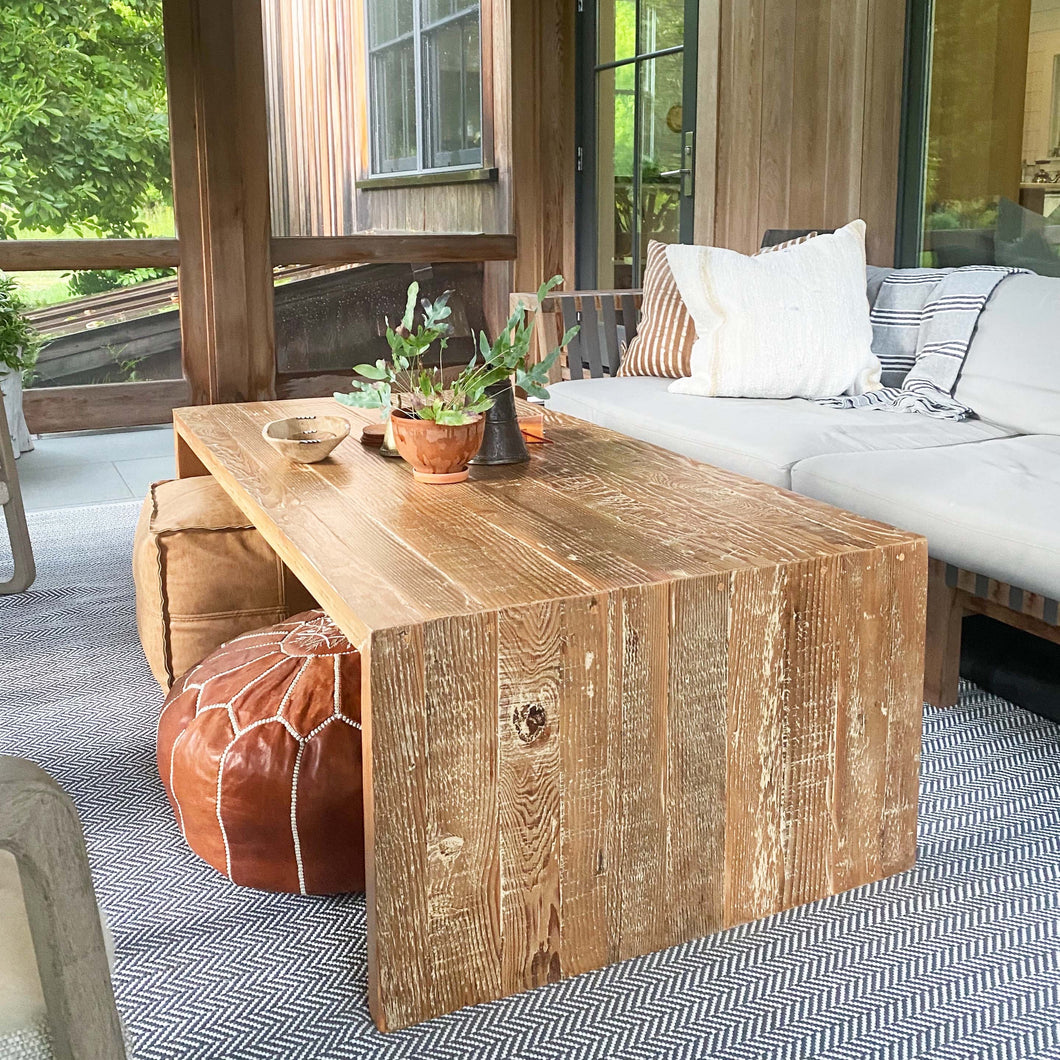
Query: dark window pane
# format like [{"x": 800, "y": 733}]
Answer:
[
  {"x": 660, "y": 150},
  {"x": 615, "y": 139},
  {"x": 388, "y": 19},
  {"x": 991, "y": 176},
  {"x": 393, "y": 91},
  {"x": 454, "y": 104},
  {"x": 434, "y": 10}
]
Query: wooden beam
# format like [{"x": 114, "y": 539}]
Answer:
[
  {"x": 95, "y": 407},
  {"x": 393, "y": 247},
  {"x": 942, "y": 665},
  {"x": 977, "y": 605},
  {"x": 540, "y": 108},
  {"x": 219, "y": 143},
  {"x": 25, "y": 255}
]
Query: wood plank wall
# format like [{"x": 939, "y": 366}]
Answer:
[
  {"x": 317, "y": 102},
  {"x": 311, "y": 74},
  {"x": 809, "y": 103}
]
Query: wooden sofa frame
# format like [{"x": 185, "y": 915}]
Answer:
[{"x": 609, "y": 319}]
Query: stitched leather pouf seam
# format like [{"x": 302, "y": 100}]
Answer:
[{"x": 259, "y": 748}]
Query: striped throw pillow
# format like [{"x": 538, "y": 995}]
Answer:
[{"x": 663, "y": 344}]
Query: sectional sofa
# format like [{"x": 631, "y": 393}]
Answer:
[{"x": 985, "y": 492}]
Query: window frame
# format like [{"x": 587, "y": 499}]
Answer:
[{"x": 425, "y": 113}]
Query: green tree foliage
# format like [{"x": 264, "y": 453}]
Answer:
[{"x": 84, "y": 140}]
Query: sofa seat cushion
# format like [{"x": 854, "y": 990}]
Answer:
[
  {"x": 755, "y": 437},
  {"x": 992, "y": 508}
]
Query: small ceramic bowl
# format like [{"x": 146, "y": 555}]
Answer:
[{"x": 306, "y": 439}]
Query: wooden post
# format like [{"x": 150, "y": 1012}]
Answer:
[
  {"x": 540, "y": 144},
  {"x": 219, "y": 141},
  {"x": 942, "y": 663}
]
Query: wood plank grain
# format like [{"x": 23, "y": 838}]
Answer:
[
  {"x": 674, "y": 699},
  {"x": 697, "y": 749},
  {"x": 23, "y": 255},
  {"x": 396, "y": 247},
  {"x": 530, "y": 646},
  {"x": 393, "y": 718},
  {"x": 814, "y": 613},
  {"x": 463, "y": 850},
  {"x": 102, "y": 405},
  {"x": 640, "y": 661},
  {"x": 906, "y": 571},
  {"x": 808, "y": 117},
  {"x": 758, "y": 698},
  {"x": 588, "y": 724}
]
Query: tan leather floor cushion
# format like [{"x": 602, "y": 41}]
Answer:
[{"x": 203, "y": 575}]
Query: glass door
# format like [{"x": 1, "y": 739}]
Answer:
[
  {"x": 981, "y": 165},
  {"x": 636, "y": 135}
]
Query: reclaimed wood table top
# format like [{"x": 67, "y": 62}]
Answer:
[
  {"x": 595, "y": 510},
  {"x": 612, "y": 699}
]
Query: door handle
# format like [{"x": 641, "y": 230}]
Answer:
[{"x": 685, "y": 172}]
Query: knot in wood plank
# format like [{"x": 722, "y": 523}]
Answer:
[{"x": 529, "y": 722}]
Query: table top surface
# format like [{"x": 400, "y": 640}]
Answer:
[{"x": 591, "y": 512}]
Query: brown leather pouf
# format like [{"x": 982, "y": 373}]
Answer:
[
  {"x": 203, "y": 575},
  {"x": 259, "y": 748}
]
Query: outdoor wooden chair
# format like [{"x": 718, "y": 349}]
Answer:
[
  {"x": 25, "y": 569},
  {"x": 40, "y": 829}
]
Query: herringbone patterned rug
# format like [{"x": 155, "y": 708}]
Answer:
[{"x": 958, "y": 958}]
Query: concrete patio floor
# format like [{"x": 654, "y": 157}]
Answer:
[{"x": 70, "y": 470}]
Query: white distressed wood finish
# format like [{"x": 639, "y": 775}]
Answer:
[{"x": 613, "y": 699}]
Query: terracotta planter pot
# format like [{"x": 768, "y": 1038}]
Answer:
[{"x": 438, "y": 453}]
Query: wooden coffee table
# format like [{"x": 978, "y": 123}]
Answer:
[{"x": 612, "y": 699}]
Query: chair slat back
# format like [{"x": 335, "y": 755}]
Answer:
[{"x": 607, "y": 320}]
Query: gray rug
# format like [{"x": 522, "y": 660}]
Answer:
[{"x": 958, "y": 958}]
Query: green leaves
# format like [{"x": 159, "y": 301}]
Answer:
[
  {"x": 83, "y": 123},
  {"x": 455, "y": 402},
  {"x": 19, "y": 343},
  {"x": 378, "y": 370}
]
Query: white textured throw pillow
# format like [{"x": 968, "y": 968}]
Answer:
[{"x": 790, "y": 324}]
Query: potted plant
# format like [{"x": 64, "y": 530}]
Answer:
[
  {"x": 19, "y": 345},
  {"x": 509, "y": 355},
  {"x": 440, "y": 428}
]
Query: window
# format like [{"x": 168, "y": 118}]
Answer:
[{"x": 424, "y": 85}]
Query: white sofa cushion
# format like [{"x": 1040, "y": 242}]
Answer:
[
  {"x": 759, "y": 438},
  {"x": 992, "y": 508},
  {"x": 1011, "y": 375}
]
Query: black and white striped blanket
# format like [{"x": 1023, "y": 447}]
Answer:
[{"x": 922, "y": 325}]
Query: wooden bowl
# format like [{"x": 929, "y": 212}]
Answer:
[{"x": 306, "y": 439}]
